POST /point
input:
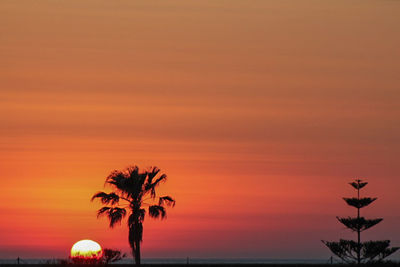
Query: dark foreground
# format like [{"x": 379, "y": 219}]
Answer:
[{"x": 205, "y": 265}]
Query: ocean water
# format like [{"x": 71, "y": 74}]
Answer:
[{"x": 185, "y": 261}]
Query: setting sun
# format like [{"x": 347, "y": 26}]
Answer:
[{"x": 87, "y": 249}]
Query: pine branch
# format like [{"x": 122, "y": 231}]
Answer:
[
  {"x": 359, "y": 224},
  {"x": 344, "y": 249},
  {"x": 372, "y": 249},
  {"x": 359, "y": 203},
  {"x": 358, "y": 184}
]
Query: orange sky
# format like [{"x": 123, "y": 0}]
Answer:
[{"x": 259, "y": 111}]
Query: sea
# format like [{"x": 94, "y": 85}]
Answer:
[{"x": 185, "y": 261}]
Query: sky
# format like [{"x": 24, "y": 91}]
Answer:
[{"x": 260, "y": 112}]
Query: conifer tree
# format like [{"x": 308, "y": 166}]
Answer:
[{"x": 356, "y": 251}]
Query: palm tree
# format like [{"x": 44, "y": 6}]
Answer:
[{"x": 133, "y": 188}]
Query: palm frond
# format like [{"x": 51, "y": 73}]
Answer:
[
  {"x": 134, "y": 182},
  {"x": 98, "y": 194},
  {"x": 162, "y": 178},
  {"x": 135, "y": 177},
  {"x": 132, "y": 171},
  {"x": 169, "y": 201},
  {"x": 157, "y": 211},
  {"x": 105, "y": 198},
  {"x": 142, "y": 214},
  {"x": 152, "y": 186},
  {"x": 117, "y": 179},
  {"x": 103, "y": 210},
  {"x": 152, "y": 173},
  {"x": 115, "y": 215}
]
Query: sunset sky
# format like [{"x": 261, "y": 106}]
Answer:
[{"x": 260, "y": 112}]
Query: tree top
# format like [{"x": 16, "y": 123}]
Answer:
[{"x": 358, "y": 184}]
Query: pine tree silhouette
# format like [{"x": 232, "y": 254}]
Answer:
[{"x": 356, "y": 251}]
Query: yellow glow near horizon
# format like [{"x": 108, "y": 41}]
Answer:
[{"x": 86, "y": 249}]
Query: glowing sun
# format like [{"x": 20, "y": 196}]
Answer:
[{"x": 86, "y": 249}]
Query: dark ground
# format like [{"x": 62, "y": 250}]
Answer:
[{"x": 205, "y": 265}]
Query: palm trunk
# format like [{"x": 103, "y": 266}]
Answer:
[
  {"x": 132, "y": 243},
  {"x": 137, "y": 252},
  {"x": 135, "y": 233},
  {"x": 137, "y": 237}
]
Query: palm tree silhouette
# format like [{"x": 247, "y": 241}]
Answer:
[{"x": 134, "y": 188}]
